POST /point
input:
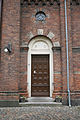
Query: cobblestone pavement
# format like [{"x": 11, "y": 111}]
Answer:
[{"x": 40, "y": 113}]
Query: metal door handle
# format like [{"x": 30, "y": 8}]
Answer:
[{"x": 34, "y": 72}]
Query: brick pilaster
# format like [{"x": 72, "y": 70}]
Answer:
[
  {"x": 70, "y": 46},
  {"x": 10, "y": 62},
  {"x": 63, "y": 46}
]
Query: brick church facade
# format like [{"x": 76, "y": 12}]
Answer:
[{"x": 39, "y": 50}]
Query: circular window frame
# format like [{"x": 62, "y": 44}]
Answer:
[{"x": 40, "y": 16}]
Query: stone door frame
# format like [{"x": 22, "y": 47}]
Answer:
[{"x": 44, "y": 46}]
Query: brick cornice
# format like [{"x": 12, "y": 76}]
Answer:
[{"x": 37, "y": 2}]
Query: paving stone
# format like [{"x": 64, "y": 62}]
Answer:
[{"x": 40, "y": 113}]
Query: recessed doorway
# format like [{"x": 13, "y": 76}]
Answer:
[{"x": 40, "y": 50}]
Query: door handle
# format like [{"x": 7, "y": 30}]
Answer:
[{"x": 34, "y": 72}]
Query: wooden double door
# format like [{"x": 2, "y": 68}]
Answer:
[{"x": 40, "y": 83}]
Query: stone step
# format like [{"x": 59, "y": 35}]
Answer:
[
  {"x": 51, "y": 104},
  {"x": 40, "y": 99}
]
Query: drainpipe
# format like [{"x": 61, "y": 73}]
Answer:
[{"x": 69, "y": 101}]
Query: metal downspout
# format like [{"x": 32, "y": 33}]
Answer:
[{"x": 69, "y": 101}]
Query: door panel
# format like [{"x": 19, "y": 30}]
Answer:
[{"x": 40, "y": 86}]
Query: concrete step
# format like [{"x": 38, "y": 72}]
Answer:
[
  {"x": 40, "y": 99},
  {"x": 51, "y": 104}
]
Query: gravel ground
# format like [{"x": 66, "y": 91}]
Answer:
[{"x": 40, "y": 113}]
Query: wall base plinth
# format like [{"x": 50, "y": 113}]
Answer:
[
  {"x": 74, "y": 102},
  {"x": 8, "y": 103}
]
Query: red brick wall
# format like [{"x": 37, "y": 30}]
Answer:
[
  {"x": 75, "y": 25},
  {"x": 57, "y": 73},
  {"x": 10, "y": 63},
  {"x": 17, "y": 24},
  {"x": 29, "y": 24},
  {"x": 75, "y": 19}
]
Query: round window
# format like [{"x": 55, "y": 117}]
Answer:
[{"x": 40, "y": 16}]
